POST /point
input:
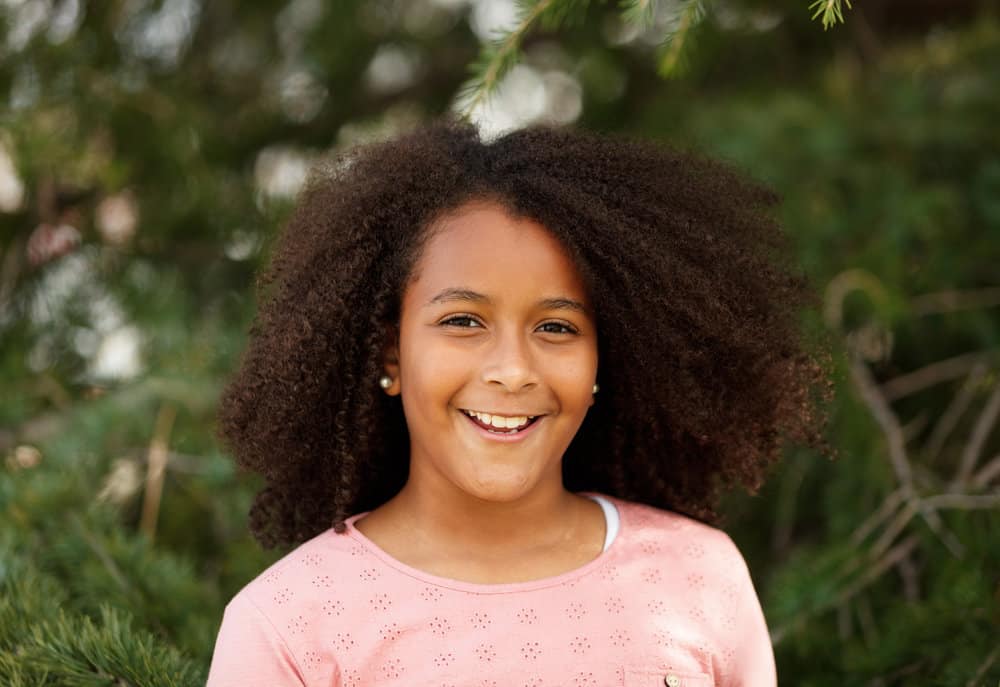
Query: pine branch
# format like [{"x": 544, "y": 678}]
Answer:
[
  {"x": 499, "y": 56},
  {"x": 44, "y": 641},
  {"x": 989, "y": 471},
  {"x": 940, "y": 371},
  {"x": 156, "y": 469},
  {"x": 980, "y": 433},
  {"x": 870, "y": 575},
  {"x": 953, "y": 412},
  {"x": 78, "y": 651},
  {"x": 640, "y": 12},
  {"x": 878, "y": 405},
  {"x": 672, "y": 50},
  {"x": 831, "y": 11},
  {"x": 984, "y": 666}
]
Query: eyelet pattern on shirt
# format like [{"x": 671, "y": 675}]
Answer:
[{"x": 670, "y": 593}]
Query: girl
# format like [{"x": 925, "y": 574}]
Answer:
[{"x": 496, "y": 390}]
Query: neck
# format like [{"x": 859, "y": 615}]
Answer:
[{"x": 455, "y": 520}]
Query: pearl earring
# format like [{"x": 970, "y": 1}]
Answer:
[
  {"x": 385, "y": 381},
  {"x": 595, "y": 389}
]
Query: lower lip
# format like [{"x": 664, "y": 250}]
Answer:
[{"x": 503, "y": 438}]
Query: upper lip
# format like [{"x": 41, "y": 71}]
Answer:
[{"x": 504, "y": 413}]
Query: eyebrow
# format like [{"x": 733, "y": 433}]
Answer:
[{"x": 462, "y": 294}]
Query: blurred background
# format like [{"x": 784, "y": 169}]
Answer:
[{"x": 149, "y": 149}]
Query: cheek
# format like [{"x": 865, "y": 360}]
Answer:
[
  {"x": 431, "y": 372},
  {"x": 573, "y": 378}
]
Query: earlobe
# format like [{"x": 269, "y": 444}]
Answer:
[{"x": 389, "y": 381}]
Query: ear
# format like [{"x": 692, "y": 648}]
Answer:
[{"x": 390, "y": 360}]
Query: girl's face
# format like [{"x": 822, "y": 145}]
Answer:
[{"x": 496, "y": 320}]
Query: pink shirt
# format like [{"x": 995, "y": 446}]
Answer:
[{"x": 669, "y": 602}]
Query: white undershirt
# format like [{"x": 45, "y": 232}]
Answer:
[{"x": 610, "y": 519}]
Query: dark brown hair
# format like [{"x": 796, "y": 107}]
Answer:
[{"x": 703, "y": 367}]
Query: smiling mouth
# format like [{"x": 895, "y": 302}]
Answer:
[{"x": 493, "y": 429}]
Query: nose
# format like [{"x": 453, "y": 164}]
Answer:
[{"x": 509, "y": 362}]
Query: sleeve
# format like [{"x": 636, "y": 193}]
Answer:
[
  {"x": 752, "y": 654},
  {"x": 249, "y": 652}
]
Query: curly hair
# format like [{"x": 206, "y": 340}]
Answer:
[{"x": 703, "y": 368}]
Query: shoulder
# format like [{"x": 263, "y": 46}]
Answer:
[
  {"x": 271, "y": 627},
  {"x": 304, "y": 574},
  {"x": 653, "y": 530}
]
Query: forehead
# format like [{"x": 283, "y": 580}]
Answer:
[{"x": 480, "y": 246}]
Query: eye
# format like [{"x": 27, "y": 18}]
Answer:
[
  {"x": 566, "y": 329},
  {"x": 451, "y": 321}
]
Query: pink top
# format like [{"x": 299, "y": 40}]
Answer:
[{"x": 669, "y": 602}]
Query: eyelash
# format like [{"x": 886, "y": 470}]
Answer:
[{"x": 569, "y": 329}]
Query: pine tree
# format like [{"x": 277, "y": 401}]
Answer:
[{"x": 149, "y": 151}]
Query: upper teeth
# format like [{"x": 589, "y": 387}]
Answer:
[{"x": 499, "y": 421}]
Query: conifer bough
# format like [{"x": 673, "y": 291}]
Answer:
[{"x": 497, "y": 56}]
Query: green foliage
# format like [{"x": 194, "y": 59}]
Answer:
[
  {"x": 890, "y": 179},
  {"x": 498, "y": 55},
  {"x": 41, "y": 643},
  {"x": 830, "y": 12},
  {"x": 675, "y": 46},
  {"x": 639, "y": 12}
]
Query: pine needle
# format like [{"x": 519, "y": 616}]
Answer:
[
  {"x": 498, "y": 56},
  {"x": 831, "y": 11},
  {"x": 672, "y": 57},
  {"x": 640, "y": 12}
]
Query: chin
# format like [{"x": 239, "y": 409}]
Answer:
[{"x": 500, "y": 489}]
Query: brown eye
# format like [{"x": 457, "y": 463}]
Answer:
[
  {"x": 566, "y": 329},
  {"x": 453, "y": 321}
]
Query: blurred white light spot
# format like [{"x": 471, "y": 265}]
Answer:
[
  {"x": 11, "y": 186},
  {"x": 65, "y": 21},
  {"x": 59, "y": 283},
  {"x": 294, "y": 21},
  {"x": 85, "y": 341},
  {"x": 117, "y": 355},
  {"x": 25, "y": 89},
  {"x": 564, "y": 97},
  {"x": 241, "y": 245},
  {"x": 519, "y": 99},
  {"x": 302, "y": 96},
  {"x": 124, "y": 480},
  {"x": 619, "y": 32},
  {"x": 28, "y": 18},
  {"x": 490, "y": 19},
  {"x": 280, "y": 171},
  {"x": 106, "y": 315},
  {"x": 523, "y": 92},
  {"x": 24, "y": 457},
  {"x": 162, "y": 34},
  {"x": 116, "y": 218},
  {"x": 40, "y": 356},
  {"x": 392, "y": 69}
]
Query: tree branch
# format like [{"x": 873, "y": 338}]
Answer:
[
  {"x": 935, "y": 373},
  {"x": 984, "y": 425}
]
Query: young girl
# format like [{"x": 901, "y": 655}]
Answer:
[{"x": 496, "y": 390}]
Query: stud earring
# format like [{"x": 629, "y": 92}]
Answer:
[
  {"x": 595, "y": 389},
  {"x": 385, "y": 381}
]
